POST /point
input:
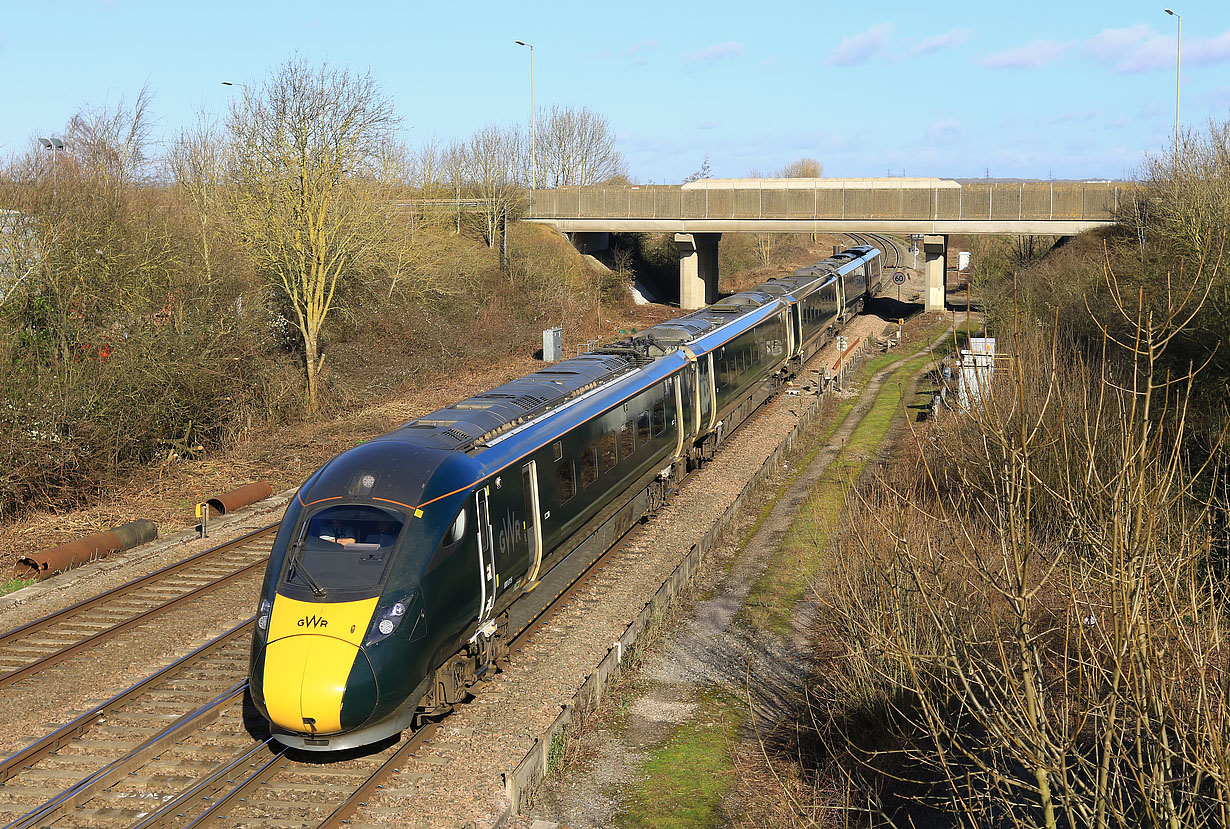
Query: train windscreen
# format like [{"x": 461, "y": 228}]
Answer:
[{"x": 345, "y": 547}]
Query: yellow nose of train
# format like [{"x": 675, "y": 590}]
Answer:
[{"x": 314, "y": 666}]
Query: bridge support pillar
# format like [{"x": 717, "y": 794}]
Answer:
[
  {"x": 936, "y": 250},
  {"x": 698, "y": 269},
  {"x": 590, "y": 242}
]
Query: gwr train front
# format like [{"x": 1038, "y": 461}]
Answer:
[{"x": 345, "y": 636}]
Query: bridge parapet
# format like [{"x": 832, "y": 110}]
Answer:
[{"x": 837, "y": 199}]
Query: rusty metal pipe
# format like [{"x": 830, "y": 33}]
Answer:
[
  {"x": 236, "y": 498},
  {"x": 47, "y": 563}
]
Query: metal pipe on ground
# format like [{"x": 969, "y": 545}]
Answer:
[
  {"x": 241, "y": 497},
  {"x": 47, "y": 563}
]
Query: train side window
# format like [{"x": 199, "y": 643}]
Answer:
[
  {"x": 606, "y": 452},
  {"x": 642, "y": 429},
  {"x": 627, "y": 440},
  {"x": 457, "y": 531},
  {"x": 659, "y": 417},
  {"x": 565, "y": 481},
  {"x": 589, "y": 464}
]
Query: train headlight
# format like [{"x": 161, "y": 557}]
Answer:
[
  {"x": 391, "y": 619},
  {"x": 262, "y": 615}
]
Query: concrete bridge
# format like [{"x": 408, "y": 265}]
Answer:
[{"x": 699, "y": 213}]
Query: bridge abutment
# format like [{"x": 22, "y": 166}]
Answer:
[
  {"x": 698, "y": 269},
  {"x": 935, "y": 248}
]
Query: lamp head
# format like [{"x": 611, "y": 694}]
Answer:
[
  {"x": 46, "y": 143},
  {"x": 1168, "y": 11}
]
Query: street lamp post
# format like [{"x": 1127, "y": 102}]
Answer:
[
  {"x": 245, "y": 91},
  {"x": 533, "y": 142},
  {"x": 1178, "y": 66},
  {"x": 55, "y": 145}
]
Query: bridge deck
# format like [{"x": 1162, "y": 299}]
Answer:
[{"x": 833, "y": 205}]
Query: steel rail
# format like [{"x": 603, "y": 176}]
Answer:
[
  {"x": 96, "y": 781},
  {"x": 175, "y": 810},
  {"x": 115, "y": 630},
  {"x": 170, "y": 569},
  {"x": 62, "y": 736}
]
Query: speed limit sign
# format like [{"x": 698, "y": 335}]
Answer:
[{"x": 899, "y": 278}]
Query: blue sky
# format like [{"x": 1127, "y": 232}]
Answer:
[{"x": 1043, "y": 89}]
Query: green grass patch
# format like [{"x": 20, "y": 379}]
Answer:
[
  {"x": 784, "y": 582},
  {"x": 15, "y": 584},
  {"x": 686, "y": 778}
]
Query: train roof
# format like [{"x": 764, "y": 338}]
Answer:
[{"x": 470, "y": 422}]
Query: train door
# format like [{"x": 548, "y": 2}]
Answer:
[
  {"x": 711, "y": 380},
  {"x": 680, "y": 426},
  {"x": 694, "y": 380},
  {"x": 487, "y": 575},
  {"x": 533, "y": 526},
  {"x": 704, "y": 388}
]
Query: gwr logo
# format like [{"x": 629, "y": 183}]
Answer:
[{"x": 313, "y": 622}]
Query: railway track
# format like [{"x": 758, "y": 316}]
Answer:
[
  {"x": 45, "y": 642},
  {"x": 184, "y": 747},
  {"x": 884, "y": 243}
]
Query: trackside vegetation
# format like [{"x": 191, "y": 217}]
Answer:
[
  {"x": 1022, "y": 619},
  {"x": 287, "y": 259},
  {"x": 686, "y": 780}
]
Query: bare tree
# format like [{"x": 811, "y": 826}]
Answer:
[
  {"x": 428, "y": 168},
  {"x": 196, "y": 162},
  {"x": 576, "y": 147},
  {"x": 455, "y": 161},
  {"x": 493, "y": 157},
  {"x": 1043, "y": 610},
  {"x": 306, "y": 149},
  {"x": 111, "y": 145},
  {"x": 803, "y": 168}
]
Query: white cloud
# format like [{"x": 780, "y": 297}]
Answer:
[
  {"x": 933, "y": 44},
  {"x": 730, "y": 48},
  {"x": 1140, "y": 49},
  {"x": 641, "y": 48},
  {"x": 1070, "y": 117},
  {"x": 943, "y": 131},
  {"x": 1033, "y": 55},
  {"x": 1204, "y": 50},
  {"x": 862, "y": 46}
]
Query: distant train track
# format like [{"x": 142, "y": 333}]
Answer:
[
  {"x": 884, "y": 243},
  {"x": 52, "y": 639}
]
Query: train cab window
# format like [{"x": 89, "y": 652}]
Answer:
[
  {"x": 642, "y": 429},
  {"x": 606, "y": 452},
  {"x": 589, "y": 464},
  {"x": 344, "y": 548},
  {"x": 627, "y": 441},
  {"x": 565, "y": 481},
  {"x": 659, "y": 417},
  {"x": 457, "y": 531}
]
